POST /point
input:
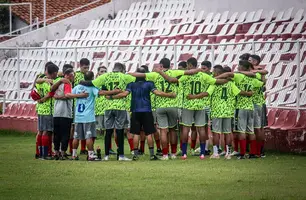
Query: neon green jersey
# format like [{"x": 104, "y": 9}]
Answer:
[
  {"x": 128, "y": 102},
  {"x": 163, "y": 85},
  {"x": 78, "y": 77},
  {"x": 245, "y": 83},
  {"x": 45, "y": 108},
  {"x": 111, "y": 81},
  {"x": 152, "y": 98},
  {"x": 258, "y": 96},
  {"x": 100, "y": 105},
  {"x": 196, "y": 84},
  {"x": 223, "y": 99}
]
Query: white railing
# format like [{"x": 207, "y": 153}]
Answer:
[{"x": 175, "y": 60}]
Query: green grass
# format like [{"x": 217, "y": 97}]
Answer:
[{"x": 278, "y": 176}]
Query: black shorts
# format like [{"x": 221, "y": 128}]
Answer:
[{"x": 142, "y": 121}]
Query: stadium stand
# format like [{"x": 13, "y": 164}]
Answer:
[{"x": 162, "y": 25}]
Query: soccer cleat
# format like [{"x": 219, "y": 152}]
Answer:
[
  {"x": 36, "y": 156},
  {"x": 154, "y": 157},
  {"x": 46, "y": 158},
  {"x": 173, "y": 156},
  {"x": 83, "y": 152},
  {"x": 111, "y": 152},
  {"x": 124, "y": 159},
  {"x": 184, "y": 157},
  {"x": 64, "y": 158},
  {"x": 263, "y": 155},
  {"x": 140, "y": 153},
  {"x": 252, "y": 156},
  {"x": 135, "y": 158},
  {"x": 207, "y": 153},
  {"x": 56, "y": 157},
  {"x": 106, "y": 158},
  {"x": 179, "y": 153},
  {"x": 202, "y": 157},
  {"x": 75, "y": 158},
  {"x": 219, "y": 151},
  {"x": 228, "y": 157},
  {"x": 165, "y": 157},
  {"x": 93, "y": 159},
  {"x": 159, "y": 152},
  {"x": 241, "y": 157},
  {"x": 222, "y": 153},
  {"x": 235, "y": 153},
  {"x": 215, "y": 156}
]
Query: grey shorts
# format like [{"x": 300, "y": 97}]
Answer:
[
  {"x": 154, "y": 116},
  {"x": 221, "y": 125},
  {"x": 84, "y": 131},
  {"x": 244, "y": 121},
  {"x": 207, "y": 113},
  {"x": 196, "y": 117},
  {"x": 115, "y": 119},
  {"x": 100, "y": 122},
  {"x": 167, "y": 117},
  {"x": 127, "y": 123},
  {"x": 45, "y": 123},
  {"x": 258, "y": 120}
]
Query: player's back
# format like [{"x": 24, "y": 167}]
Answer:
[{"x": 244, "y": 83}]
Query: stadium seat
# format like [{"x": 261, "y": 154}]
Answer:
[
  {"x": 280, "y": 120},
  {"x": 290, "y": 121}
]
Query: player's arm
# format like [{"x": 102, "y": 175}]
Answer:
[
  {"x": 58, "y": 83},
  {"x": 246, "y": 93},
  {"x": 137, "y": 75},
  {"x": 43, "y": 80},
  {"x": 119, "y": 96},
  {"x": 197, "y": 96},
  {"x": 221, "y": 81},
  {"x": 45, "y": 98},
  {"x": 111, "y": 92},
  {"x": 226, "y": 75},
  {"x": 192, "y": 71},
  {"x": 247, "y": 73},
  {"x": 72, "y": 96},
  {"x": 164, "y": 94},
  {"x": 261, "y": 71},
  {"x": 57, "y": 97}
]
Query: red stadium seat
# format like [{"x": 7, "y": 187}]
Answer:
[
  {"x": 290, "y": 122},
  {"x": 300, "y": 124},
  {"x": 280, "y": 121},
  {"x": 271, "y": 117}
]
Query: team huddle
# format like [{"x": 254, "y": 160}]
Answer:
[{"x": 166, "y": 106}]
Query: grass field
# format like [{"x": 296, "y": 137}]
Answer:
[{"x": 276, "y": 177}]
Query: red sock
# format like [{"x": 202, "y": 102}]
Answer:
[
  {"x": 181, "y": 144},
  {"x": 242, "y": 147},
  {"x": 38, "y": 143},
  {"x": 165, "y": 151},
  {"x": 116, "y": 141},
  {"x": 173, "y": 148},
  {"x": 236, "y": 143},
  {"x": 83, "y": 145},
  {"x": 50, "y": 145},
  {"x": 142, "y": 146},
  {"x": 253, "y": 147},
  {"x": 157, "y": 144},
  {"x": 70, "y": 145},
  {"x": 258, "y": 147},
  {"x": 131, "y": 144},
  {"x": 193, "y": 144}
]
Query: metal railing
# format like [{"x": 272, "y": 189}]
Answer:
[{"x": 212, "y": 49}]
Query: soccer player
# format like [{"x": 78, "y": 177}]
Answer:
[
  {"x": 245, "y": 108},
  {"x": 167, "y": 108},
  {"x": 193, "y": 105},
  {"x": 115, "y": 113},
  {"x": 259, "y": 106},
  {"x": 63, "y": 116},
  {"x": 44, "y": 112},
  {"x": 142, "y": 117},
  {"x": 222, "y": 111},
  {"x": 85, "y": 122}
]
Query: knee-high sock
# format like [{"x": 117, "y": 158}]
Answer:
[
  {"x": 120, "y": 137},
  {"x": 45, "y": 144}
]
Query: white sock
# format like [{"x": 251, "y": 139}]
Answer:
[
  {"x": 74, "y": 152},
  {"x": 228, "y": 149},
  {"x": 215, "y": 149},
  {"x": 206, "y": 145}
]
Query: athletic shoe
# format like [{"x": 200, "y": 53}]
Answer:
[
  {"x": 228, "y": 157},
  {"x": 154, "y": 157},
  {"x": 197, "y": 150},
  {"x": 263, "y": 155},
  {"x": 252, "y": 156},
  {"x": 94, "y": 158},
  {"x": 83, "y": 152},
  {"x": 184, "y": 157},
  {"x": 215, "y": 156},
  {"x": 207, "y": 153},
  {"x": 46, "y": 158},
  {"x": 36, "y": 156},
  {"x": 179, "y": 153},
  {"x": 132, "y": 153},
  {"x": 159, "y": 152},
  {"x": 219, "y": 151},
  {"x": 124, "y": 159},
  {"x": 111, "y": 152},
  {"x": 106, "y": 158},
  {"x": 56, "y": 157},
  {"x": 173, "y": 156},
  {"x": 75, "y": 158},
  {"x": 165, "y": 157},
  {"x": 202, "y": 157},
  {"x": 235, "y": 153},
  {"x": 64, "y": 158},
  {"x": 222, "y": 153},
  {"x": 135, "y": 158},
  {"x": 241, "y": 157}
]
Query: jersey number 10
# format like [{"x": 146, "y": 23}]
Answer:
[{"x": 195, "y": 87}]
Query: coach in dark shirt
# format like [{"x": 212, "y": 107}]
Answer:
[{"x": 142, "y": 118}]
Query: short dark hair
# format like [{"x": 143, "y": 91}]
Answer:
[
  {"x": 165, "y": 62},
  {"x": 52, "y": 68},
  {"x": 206, "y": 63},
  {"x": 219, "y": 68},
  {"x": 47, "y": 64},
  {"x": 245, "y": 64},
  {"x": 102, "y": 67},
  {"x": 84, "y": 61},
  {"x": 146, "y": 68},
  {"x": 88, "y": 76},
  {"x": 227, "y": 69},
  {"x": 256, "y": 57},
  {"x": 118, "y": 67},
  {"x": 141, "y": 70},
  {"x": 68, "y": 71},
  {"x": 192, "y": 61},
  {"x": 66, "y": 67},
  {"x": 245, "y": 56},
  {"x": 183, "y": 64}
]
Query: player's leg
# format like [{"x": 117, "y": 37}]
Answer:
[
  {"x": 47, "y": 124},
  {"x": 216, "y": 131},
  {"x": 50, "y": 136},
  {"x": 241, "y": 129},
  {"x": 57, "y": 137},
  {"x": 71, "y": 135},
  {"x": 162, "y": 121},
  {"x": 227, "y": 131},
  {"x": 193, "y": 137},
  {"x": 251, "y": 135},
  {"x": 235, "y": 134},
  {"x": 65, "y": 132},
  {"x": 120, "y": 118},
  {"x": 77, "y": 136},
  {"x": 186, "y": 122},
  {"x": 90, "y": 132},
  {"x": 147, "y": 122},
  {"x": 142, "y": 142},
  {"x": 129, "y": 136},
  {"x": 200, "y": 122},
  {"x": 172, "y": 121},
  {"x": 38, "y": 153},
  {"x": 109, "y": 122},
  {"x": 207, "y": 120},
  {"x": 135, "y": 130}
]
